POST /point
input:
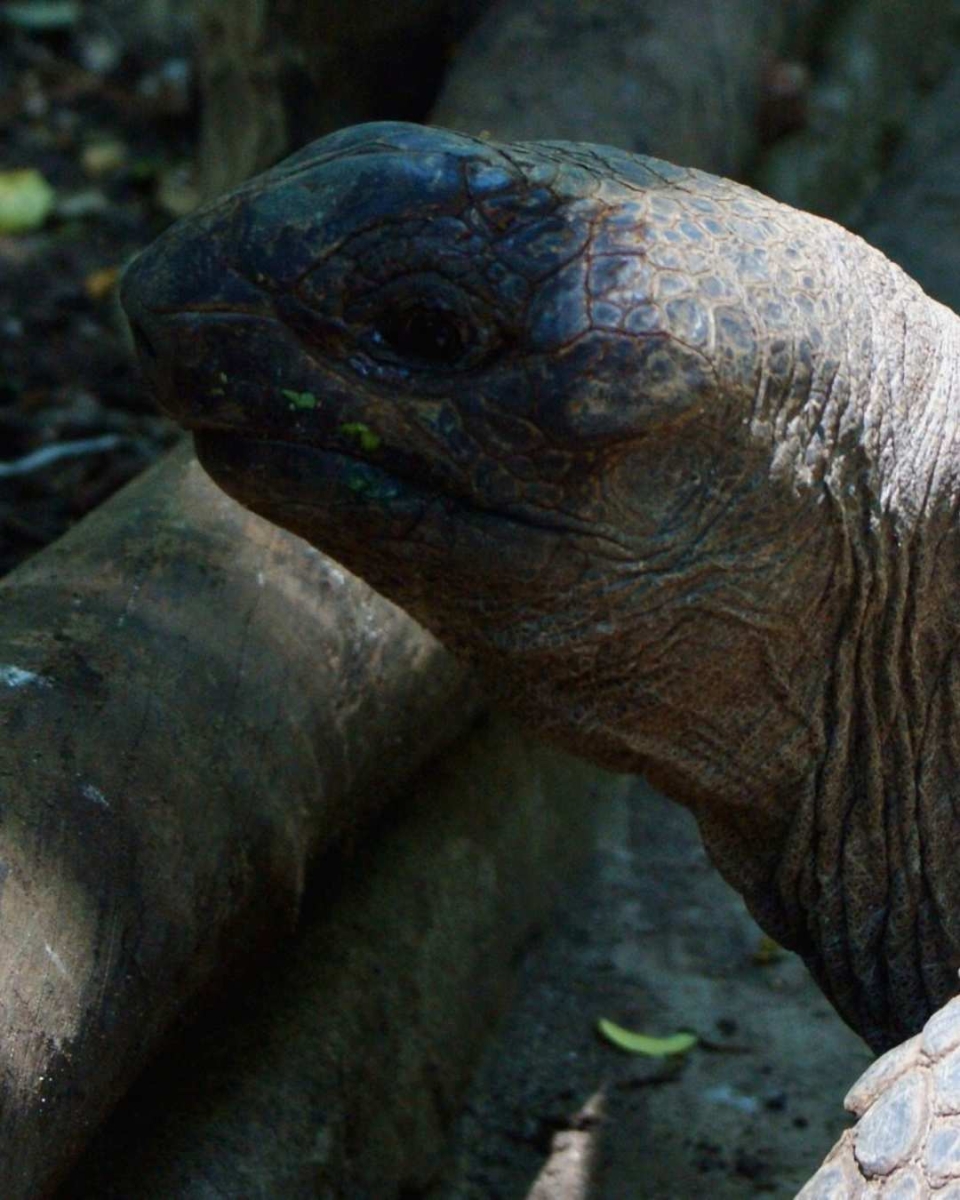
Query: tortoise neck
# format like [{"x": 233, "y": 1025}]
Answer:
[{"x": 853, "y": 864}]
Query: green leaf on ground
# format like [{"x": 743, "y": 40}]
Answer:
[{"x": 641, "y": 1043}]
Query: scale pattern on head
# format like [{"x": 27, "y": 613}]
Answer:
[{"x": 493, "y": 379}]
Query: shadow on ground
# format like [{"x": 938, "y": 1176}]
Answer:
[{"x": 652, "y": 938}]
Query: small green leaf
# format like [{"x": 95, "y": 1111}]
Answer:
[
  {"x": 300, "y": 399},
  {"x": 640, "y": 1043},
  {"x": 361, "y": 433},
  {"x": 26, "y": 200}
]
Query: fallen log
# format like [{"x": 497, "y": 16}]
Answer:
[
  {"x": 192, "y": 704},
  {"x": 337, "y": 1069}
]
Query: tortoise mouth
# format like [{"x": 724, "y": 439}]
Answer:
[{"x": 263, "y": 471}]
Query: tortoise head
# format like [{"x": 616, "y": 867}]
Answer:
[
  {"x": 652, "y": 450},
  {"x": 515, "y": 388}
]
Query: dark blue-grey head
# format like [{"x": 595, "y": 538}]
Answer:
[{"x": 490, "y": 379}]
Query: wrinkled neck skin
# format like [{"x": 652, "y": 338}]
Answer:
[
  {"x": 759, "y": 617},
  {"x": 780, "y": 652},
  {"x": 823, "y": 772}
]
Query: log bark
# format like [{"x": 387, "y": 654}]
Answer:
[
  {"x": 874, "y": 62},
  {"x": 274, "y": 75},
  {"x": 192, "y": 703},
  {"x": 336, "y": 1070},
  {"x": 682, "y": 81},
  {"x": 912, "y": 215}
]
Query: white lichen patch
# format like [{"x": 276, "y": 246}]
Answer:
[
  {"x": 16, "y": 677},
  {"x": 90, "y": 792},
  {"x": 56, "y": 960}
]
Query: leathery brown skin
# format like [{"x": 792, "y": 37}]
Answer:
[{"x": 676, "y": 466}]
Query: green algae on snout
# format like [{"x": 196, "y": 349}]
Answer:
[
  {"x": 300, "y": 400},
  {"x": 371, "y": 484},
  {"x": 358, "y": 483},
  {"x": 362, "y": 434}
]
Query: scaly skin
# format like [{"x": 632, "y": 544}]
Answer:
[{"x": 676, "y": 466}]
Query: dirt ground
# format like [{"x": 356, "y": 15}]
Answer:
[
  {"x": 112, "y": 141},
  {"x": 652, "y": 938}
]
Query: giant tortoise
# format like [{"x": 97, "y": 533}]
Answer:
[{"x": 678, "y": 468}]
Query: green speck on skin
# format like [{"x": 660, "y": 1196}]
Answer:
[
  {"x": 300, "y": 400},
  {"x": 369, "y": 486},
  {"x": 362, "y": 433},
  {"x": 357, "y": 483}
]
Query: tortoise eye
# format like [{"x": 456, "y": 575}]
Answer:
[{"x": 431, "y": 336}]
